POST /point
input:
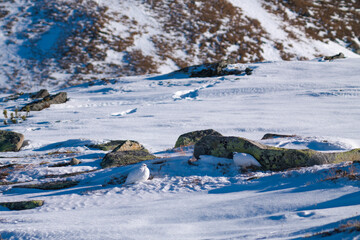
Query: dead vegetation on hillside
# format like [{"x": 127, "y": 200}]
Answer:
[
  {"x": 82, "y": 33},
  {"x": 206, "y": 31},
  {"x": 321, "y": 20}
]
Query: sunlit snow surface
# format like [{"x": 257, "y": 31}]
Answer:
[{"x": 209, "y": 199}]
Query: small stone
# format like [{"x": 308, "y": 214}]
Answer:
[{"x": 74, "y": 161}]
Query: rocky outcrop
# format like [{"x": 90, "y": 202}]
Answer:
[
  {"x": 23, "y": 205},
  {"x": 46, "y": 102},
  {"x": 191, "y": 138},
  {"x": 10, "y": 141},
  {"x": 212, "y": 70},
  {"x": 126, "y": 153},
  {"x": 270, "y": 158},
  {"x": 274, "y": 135},
  {"x": 40, "y": 94}
]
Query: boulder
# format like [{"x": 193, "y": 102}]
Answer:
[
  {"x": 213, "y": 70},
  {"x": 118, "y": 145},
  {"x": 23, "y": 205},
  {"x": 274, "y": 135},
  {"x": 191, "y": 138},
  {"x": 126, "y": 153},
  {"x": 270, "y": 158},
  {"x": 337, "y": 56},
  {"x": 39, "y": 105},
  {"x": 40, "y": 94},
  {"x": 123, "y": 158},
  {"x": 10, "y": 141},
  {"x": 108, "y": 146}
]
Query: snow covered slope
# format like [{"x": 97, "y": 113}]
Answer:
[
  {"x": 63, "y": 43},
  {"x": 209, "y": 199}
]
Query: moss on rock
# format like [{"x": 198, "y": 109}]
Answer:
[
  {"x": 191, "y": 138},
  {"x": 50, "y": 185},
  {"x": 23, "y": 205},
  {"x": 119, "y": 145},
  {"x": 123, "y": 158},
  {"x": 10, "y": 141},
  {"x": 270, "y": 158}
]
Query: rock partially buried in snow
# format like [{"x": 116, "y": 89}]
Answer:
[
  {"x": 40, "y": 94},
  {"x": 127, "y": 153},
  {"x": 119, "y": 144},
  {"x": 274, "y": 135},
  {"x": 244, "y": 160},
  {"x": 337, "y": 56},
  {"x": 270, "y": 158},
  {"x": 191, "y": 138},
  {"x": 139, "y": 174},
  {"x": 46, "y": 102},
  {"x": 129, "y": 145},
  {"x": 213, "y": 70},
  {"x": 10, "y": 141},
  {"x": 74, "y": 161},
  {"x": 23, "y": 205}
]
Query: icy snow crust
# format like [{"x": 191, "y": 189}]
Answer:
[{"x": 208, "y": 199}]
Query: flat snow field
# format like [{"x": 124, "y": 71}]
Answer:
[{"x": 318, "y": 101}]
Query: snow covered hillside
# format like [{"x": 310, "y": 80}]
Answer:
[
  {"x": 209, "y": 199},
  {"x": 66, "y": 42}
]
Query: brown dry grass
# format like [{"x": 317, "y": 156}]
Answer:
[
  {"x": 350, "y": 227},
  {"x": 330, "y": 19}
]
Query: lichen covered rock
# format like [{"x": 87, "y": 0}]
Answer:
[
  {"x": 274, "y": 135},
  {"x": 270, "y": 158},
  {"x": 126, "y": 153},
  {"x": 119, "y": 145},
  {"x": 191, "y": 138},
  {"x": 123, "y": 158},
  {"x": 337, "y": 56},
  {"x": 40, "y": 94},
  {"x": 39, "y": 105},
  {"x": 213, "y": 70},
  {"x": 50, "y": 185},
  {"x": 23, "y": 205},
  {"x": 10, "y": 141}
]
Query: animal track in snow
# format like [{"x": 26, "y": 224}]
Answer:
[
  {"x": 191, "y": 94},
  {"x": 129, "y": 111},
  {"x": 186, "y": 94}
]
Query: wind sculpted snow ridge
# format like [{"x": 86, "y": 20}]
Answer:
[{"x": 64, "y": 43}]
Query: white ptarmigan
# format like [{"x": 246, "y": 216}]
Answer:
[
  {"x": 245, "y": 160},
  {"x": 140, "y": 174}
]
